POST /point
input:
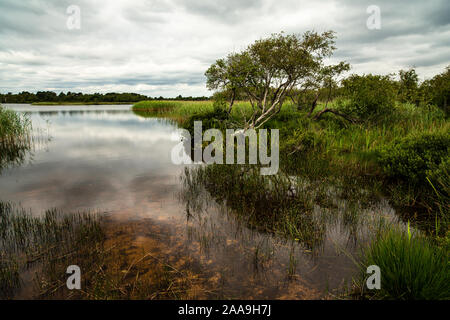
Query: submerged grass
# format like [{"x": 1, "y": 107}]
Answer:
[
  {"x": 275, "y": 204},
  {"x": 35, "y": 252},
  {"x": 47, "y": 244}
]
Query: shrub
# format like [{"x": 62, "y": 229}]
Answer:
[
  {"x": 411, "y": 158},
  {"x": 411, "y": 267},
  {"x": 437, "y": 90},
  {"x": 303, "y": 142},
  {"x": 370, "y": 97},
  {"x": 408, "y": 86}
]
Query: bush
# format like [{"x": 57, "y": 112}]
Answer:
[
  {"x": 303, "y": 142},
  {"x": 411, "y": 267},
  {"x": 408, "y": 86},
  {"x": 437, "y": 90},
  {"x": 370, "y": 97},
  {"x": 413, "y": 157}
]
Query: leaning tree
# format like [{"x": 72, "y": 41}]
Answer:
[{"x": 270, "y": 70}]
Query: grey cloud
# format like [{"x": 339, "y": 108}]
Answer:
[{"x": 162, "y": 47}]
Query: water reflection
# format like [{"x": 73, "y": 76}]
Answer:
[
  {"x": 251, "y": 263},
  {"x": 107, "y": 159}
]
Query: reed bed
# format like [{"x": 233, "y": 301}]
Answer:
[{"x": 15, "y": 136}]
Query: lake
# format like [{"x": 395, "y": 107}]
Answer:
[{"x": 107, "y": 159}]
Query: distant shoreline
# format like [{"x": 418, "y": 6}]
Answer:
[{"x": 78, "y": 103}]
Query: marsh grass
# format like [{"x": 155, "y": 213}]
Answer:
[
  {"x": 47, "y": 244},
  {"x": 183, "y": 110},
  {"x": 36, "y": 251},
  {"x": 412, "y": 268},
  {"x": 15, "y": 136}
]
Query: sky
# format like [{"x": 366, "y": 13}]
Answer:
[{"x": 163, "y": 47}]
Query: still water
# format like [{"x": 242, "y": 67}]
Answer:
[{"x": 108, "y": 160}]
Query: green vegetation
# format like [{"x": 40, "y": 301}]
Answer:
[
  {"x": 369, "y": 97},
  {"x": 282, "y": 205},
  {"x": 52, "y": 98},
  {"x": 15, "y": 137},
  {"x": 367, "y": 137},
  {"x": 47, "y": 244},
  {"x": 411, "y": 267},
  {"x": 185, "y": 110},
  {"x": 415, "y": 157},
  {"x": 359, "y": 140},
  {"x": 437, "y": 91},
  {"x": 62, "y": 103}
]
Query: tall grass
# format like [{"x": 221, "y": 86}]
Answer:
[
  {"x": 412, "y": 268},
  {"x": 13, "y": 126},
  {"x": 182, "y": 110},
  {"x": 15, "y": 136}
]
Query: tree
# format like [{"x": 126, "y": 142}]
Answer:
[
  {"x": 269, "y": 70},
  {"x": 327, "y": 80},
  {"x": 438, "y": 90},
  {"x": 408, "y": 86},
  {"x": 370, "y": 97}
]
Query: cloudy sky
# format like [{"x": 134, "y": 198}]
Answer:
[{"x": 163, "y": 47}]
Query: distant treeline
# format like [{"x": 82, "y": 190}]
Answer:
[{"x": 77, "y": 97}]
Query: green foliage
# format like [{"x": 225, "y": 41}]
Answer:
[
  {"x": 268, "y": 70},
  {"x": 437, "y": 90},
  {"x": 12, "y": 124},
  {"x": 156, "y": 106},
  {"x": 408, "y": 86},
  {"x": 265, "y": 203},
  {"x": 370, "y": 97},
  {"x": 50, "y": 97},
  {"x": 411, "y": 267},
  {"x": 303, "y": 142},
  {"x": 15, "y": 137},
  {"x": 215, "y": 119},
  {"x": 412, "y": 157}
]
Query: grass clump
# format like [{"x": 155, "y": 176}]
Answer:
[
  {"x": 412, "y": 268},
  {"x": 15, "y": 138}
]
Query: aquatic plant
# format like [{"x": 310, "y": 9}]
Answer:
[
  {"x": 15, "y": 136},
  {"x": 49, "y": 243}
]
